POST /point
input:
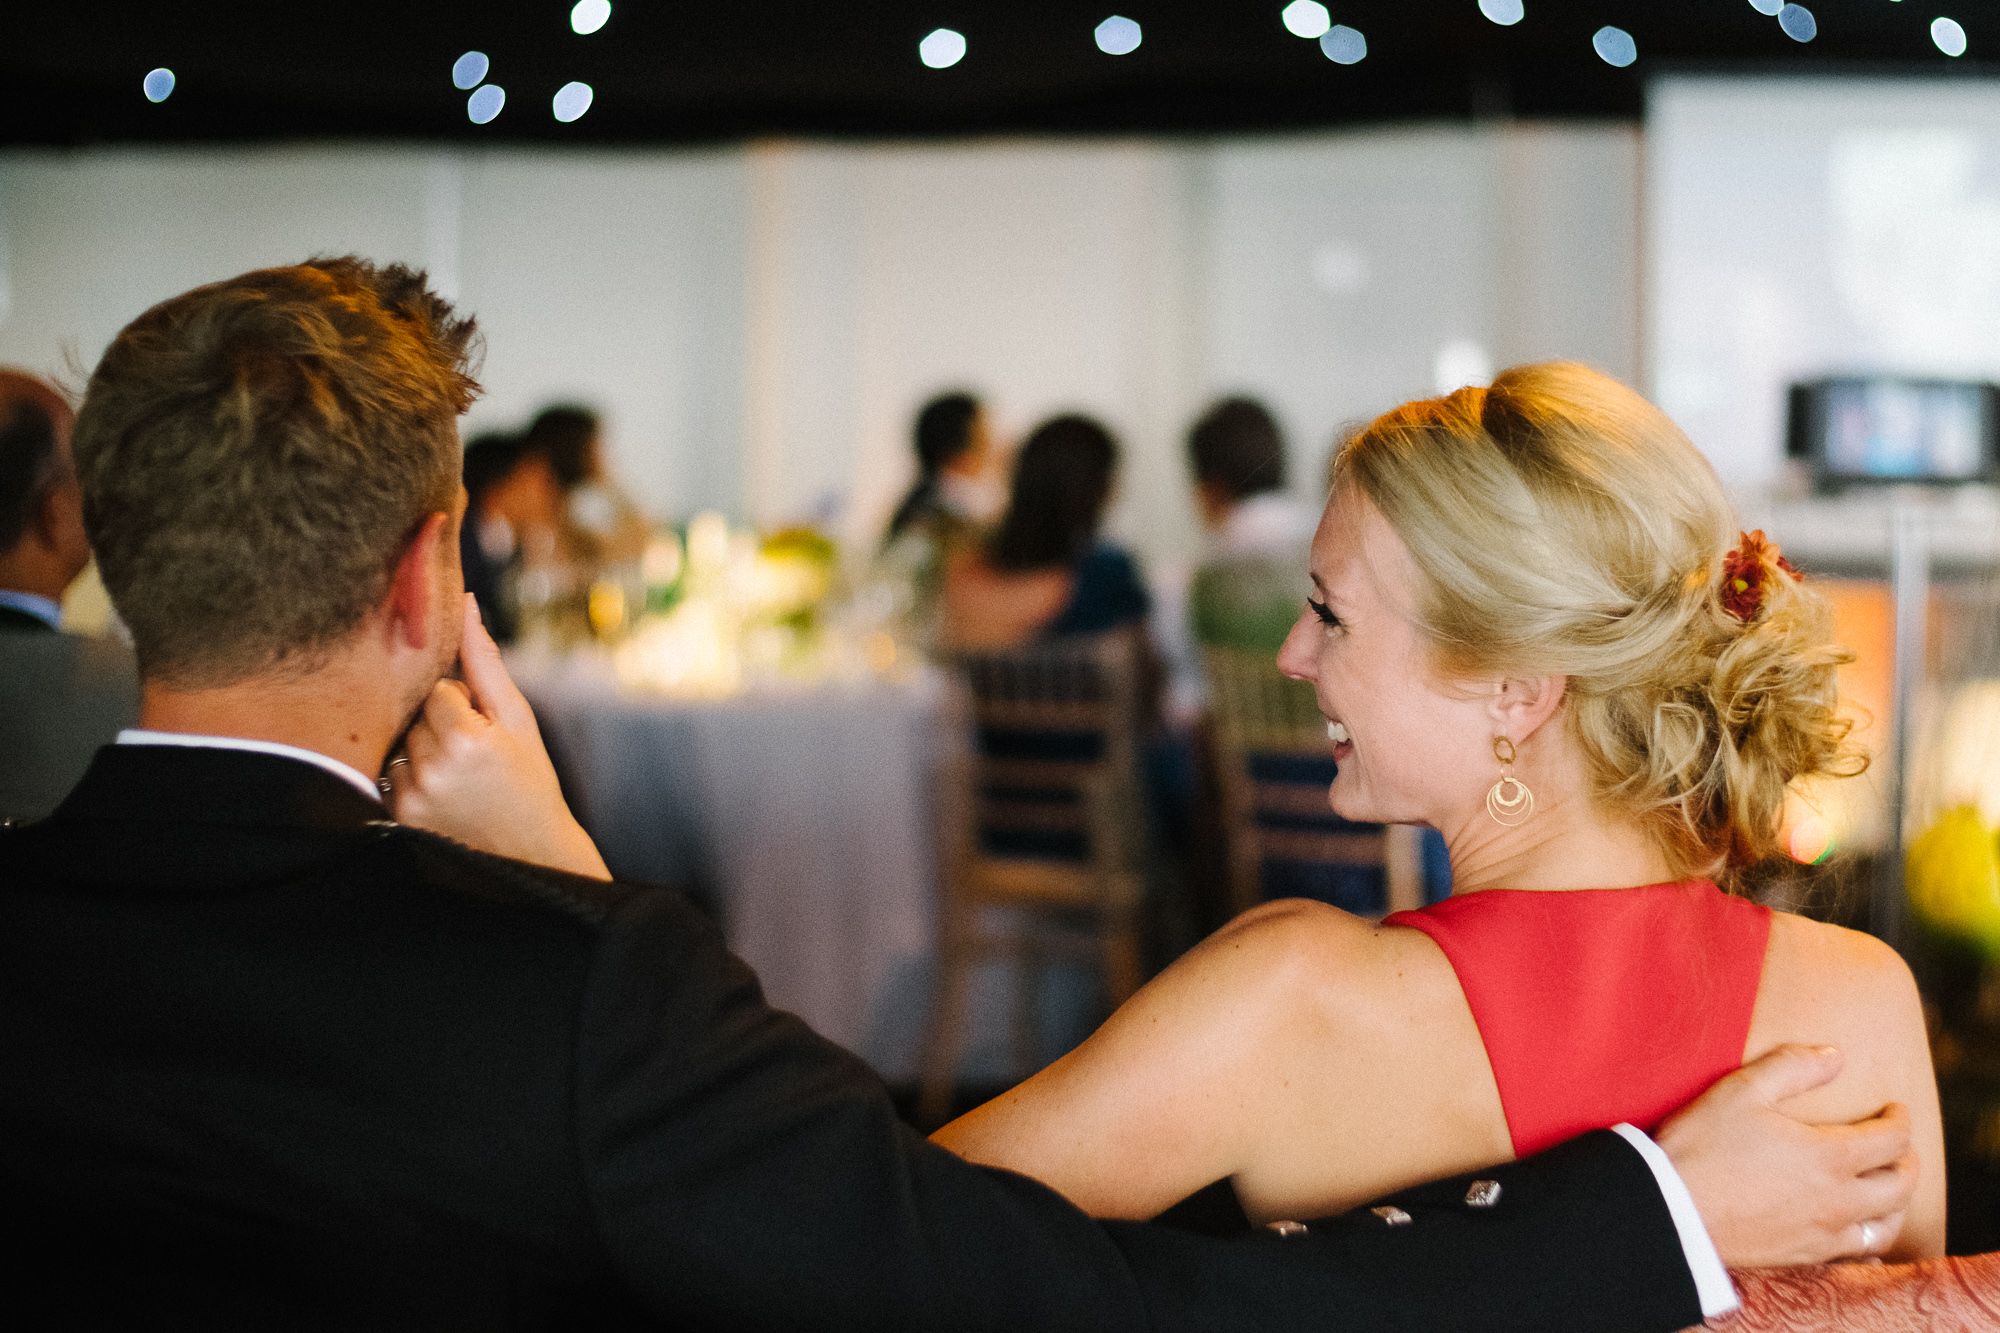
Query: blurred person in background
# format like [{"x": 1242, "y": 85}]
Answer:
[
  {"x": 512, "y": 509},
  {"x": 1244, "y": 594},
  {"x": 952, "y": 497},
  {"x": 948, "y": 507},
  {"x": 61, "y": 695},
  {"x": 1044, "y": 570},
  {"x": 601, "y": 525}
]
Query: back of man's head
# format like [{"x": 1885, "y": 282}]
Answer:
[
  {"x": 490, "y": 459},
  {"x": 567, "y": 434},
  {"x": 1236, "y": 449},
  {"x": 944, "y": 430},
  {"x": 35, "y": 422},
  {"x": 255, "y": 454}
]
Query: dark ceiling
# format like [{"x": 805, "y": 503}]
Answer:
[{"x": 71, "y": 73}]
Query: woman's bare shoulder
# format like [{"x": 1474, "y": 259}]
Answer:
[
  {"x": 1332, "y": 953},
  {"x": 1826, "y": 984},
  {"x": 1835, "y": 962}
]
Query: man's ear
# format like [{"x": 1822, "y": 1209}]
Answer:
[
  {"x": 413, "y": 586},
  {"x": 1519, "y": 706}
]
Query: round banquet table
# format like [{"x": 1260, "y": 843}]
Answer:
[{"x": 804, "y": 815}]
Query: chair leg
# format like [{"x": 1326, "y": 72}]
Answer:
[
  {"x": 1124, "y": 969},
  {"x": 1030, "y": 968},
  {"x": 1402, "y": 867},
  {"x": 1246, "y": 872},
  {"x": 946, "y": 1038}
]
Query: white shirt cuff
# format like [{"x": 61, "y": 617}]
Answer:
[{"x": 1711, "y": 1280}]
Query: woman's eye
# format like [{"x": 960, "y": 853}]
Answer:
[{"x": 1324, "y": 612}]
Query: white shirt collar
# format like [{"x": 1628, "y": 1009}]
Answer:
[
  {"x": 41, "y": 608},
  {"x": 346, "y": 773}
]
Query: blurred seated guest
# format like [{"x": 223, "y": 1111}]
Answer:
[
  {"x": 948, "y": 507},
  {"x": 1244, "y": 595},
  {"x": 1245, "y": 592},
  {"x": 952, "y": 497},
  {"x": 512, "y": 507},
  {"x": 600, "y": 523},
  {"x": 1044, "y": 572},
  {"x": 61, "y": 695}
]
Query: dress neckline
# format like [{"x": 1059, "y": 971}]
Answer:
[{"x": 1692, "y": 882}]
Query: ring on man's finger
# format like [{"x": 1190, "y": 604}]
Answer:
[{"x": 383, "y": 783}]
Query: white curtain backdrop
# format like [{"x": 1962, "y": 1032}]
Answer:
[{"x": 760, "y": 323}]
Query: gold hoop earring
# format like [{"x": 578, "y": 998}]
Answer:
[{"x": 1509, "y": 803}]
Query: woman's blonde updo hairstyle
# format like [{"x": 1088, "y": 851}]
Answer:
[{"x": 1561, "y": 524}]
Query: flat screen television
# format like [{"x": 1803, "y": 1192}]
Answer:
[{"x": 1854, "y": 430}]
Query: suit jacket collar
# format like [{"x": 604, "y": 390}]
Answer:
[
  {"x": 160, "y": 819},
  {"x": 159, "y": 784}
]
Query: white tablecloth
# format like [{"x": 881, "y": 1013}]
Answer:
[{"x": 806, "y": 814}]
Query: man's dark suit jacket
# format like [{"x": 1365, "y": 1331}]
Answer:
[{"x": 269, "y": 1060}]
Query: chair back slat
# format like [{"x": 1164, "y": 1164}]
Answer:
[
  {"x": 1042, "y": 816},
  {"x": 1273, "y": 767}
]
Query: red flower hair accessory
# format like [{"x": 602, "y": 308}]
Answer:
[{"x": 1744, "y": 571}]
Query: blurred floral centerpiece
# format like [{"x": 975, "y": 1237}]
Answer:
[{"x": 720, "y": 609}]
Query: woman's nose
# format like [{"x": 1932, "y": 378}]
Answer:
[{"x": 1295, "y": 658}]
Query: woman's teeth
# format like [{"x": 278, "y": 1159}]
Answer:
[{"x": 1337, "y": 732}]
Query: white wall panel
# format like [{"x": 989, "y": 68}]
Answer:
[
  {"x": 759, "y": 324},
  {"x": 1799, "y": 227}
]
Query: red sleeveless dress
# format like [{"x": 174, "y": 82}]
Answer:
[{"x": 1602, "y": 1005}]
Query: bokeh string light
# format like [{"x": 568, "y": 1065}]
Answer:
[
  {"x": 470, "y": 70},
  {"x": 1306, "y": 18},
  {"x": 485, "y": 103},
  {"x": 1118, "y": 36},
  {"x": 572, "y": 100},
  {"x": 588, "y": 16},
  {"x": 1344, "y": 45},
  {"x": 1614, "y": 46},
  {"x": 942, "y": 48}
]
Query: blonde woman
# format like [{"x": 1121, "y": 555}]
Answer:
[{"x": 1534, "y": 626}]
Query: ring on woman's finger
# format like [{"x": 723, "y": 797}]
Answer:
[{"x": 1870, "y": 1233}]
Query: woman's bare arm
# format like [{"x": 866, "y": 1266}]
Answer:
[
  {"x": 1158, "y": 1102},
  {"x": 1294, "y": 1051}
]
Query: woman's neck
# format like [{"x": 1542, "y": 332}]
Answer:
[{"x": 1565, "y": 844}]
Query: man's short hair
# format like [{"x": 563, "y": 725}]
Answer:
[
  {"x": 33, "y": 419},
  {"x": 490, "y": 459},
  {"x": 255, "y": 454},
  {"x": 1237, "y": 448},
  {"x": 566, "y": 434},
  {"x": 944, "y": 430}
]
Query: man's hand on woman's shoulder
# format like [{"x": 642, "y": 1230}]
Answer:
[{"x": 1774, "y": 1192}]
